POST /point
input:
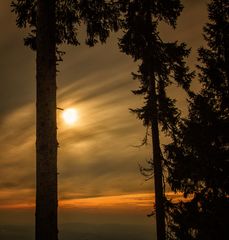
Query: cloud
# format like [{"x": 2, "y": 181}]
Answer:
[
  {"x": 96, "y": 157},
  {"x": 17, "y": 149}
]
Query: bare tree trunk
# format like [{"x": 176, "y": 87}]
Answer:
[
  {"x": 157, "y": 163},
  {"x": 46, "y": 141}
]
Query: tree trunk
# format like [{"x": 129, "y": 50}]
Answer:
[
  {"x": 226, "y": 56},
  {"x": 157, "y": 163},
  {"x": 157, "y": 157},
  {"x": 46, "y": 136}
]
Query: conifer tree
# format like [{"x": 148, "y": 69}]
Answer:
[
  {"x": 53, "y": 23},
  {"x": 161, "y": 64},
  {"x": 199, "y": 156}
]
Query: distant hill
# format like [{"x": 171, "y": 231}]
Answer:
[{"x": 83, "y": 231}]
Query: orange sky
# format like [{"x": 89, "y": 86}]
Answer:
[
  {"x": 127, "y": 202},
  {"x": 97, "y": 163}
]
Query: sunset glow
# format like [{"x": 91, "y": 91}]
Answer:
[
  {"x": 70, "y": 116},
  {"x": 93, "y": 139},
  {"x": 117, "y": 202}
]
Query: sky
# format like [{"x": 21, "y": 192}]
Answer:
[{"x": 99, "y": 179}]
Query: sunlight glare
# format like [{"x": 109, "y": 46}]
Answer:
[{"x": 70, "y": 116}]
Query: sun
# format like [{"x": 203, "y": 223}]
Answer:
[{"x": 70, "y": 116}]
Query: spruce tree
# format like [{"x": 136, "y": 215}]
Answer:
[
  {"x": 199, "y": 156},
  {"x": 53, "y": 23},
  {"x": 161, "y": 64}
]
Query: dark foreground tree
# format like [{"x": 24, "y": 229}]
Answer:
[
  {"x": 53, "y": 23},
  {"x": 161, "y": 63},
  {"x": 46, "y": 140},
  {"x": 199, "y": 156}
]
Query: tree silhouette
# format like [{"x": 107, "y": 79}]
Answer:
[
  {"x": 161, "y": 64},
  {"x": 199, "y": 155},
  {"x": 46, "y": 139},
  {"x": 53, "y": 23}
]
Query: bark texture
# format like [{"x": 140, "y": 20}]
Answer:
[{"x": 46, "y": 130}]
